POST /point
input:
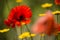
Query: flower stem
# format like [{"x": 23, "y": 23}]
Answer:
[
  {"x": 57, "y": 22},
  {"x": 41, "y": 37},
  {"x": 18, "y": 31},
  {"x": 44, "y": 38},
  {"x": 21, "y": 30},
  {"x": 29, "y": 31},
  {"x": 7, "y": 4},
  {"x": 56, "y": 37}
]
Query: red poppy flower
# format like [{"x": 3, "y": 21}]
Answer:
[
  {"x": 17, "y": 15},
  {"x": 45, "y": 24},
  {"x": 57, "y": 2}
]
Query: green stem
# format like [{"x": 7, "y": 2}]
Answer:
[
  {"x": 18, "y": 31},
  {"x": 21, "y": 30},
  {"x": 57, "y": 22},
  {"x": 56, "y": 37},
  {"x": 29, "y": 31},
  {"x": 57, "y": 18},
  {"x": 18, "y": 4},
  {"x": 41, "y": 37},
  {"x": 44, "y": 37},
  {"x": 7, "y": 4}
]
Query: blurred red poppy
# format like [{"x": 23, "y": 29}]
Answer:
[
  {"x": 19, "y": 14},
  {"x": 45, "y": 24},
  {"x": 57, "y": 2}
]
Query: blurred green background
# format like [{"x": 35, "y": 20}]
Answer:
[{"x": 5, "y": 7}]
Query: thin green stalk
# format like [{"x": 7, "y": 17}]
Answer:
[
  {"x": 17, "y": 32},
  {"x": 29, "y": 31},
  {"x": 18, "y": 4},
  {"x": 44, "y": 37},
  {"x": 56, "y": 37},
  {"x": 41, "y": 37},
  {"x": 57, "y": 22},
  {"x": 7, "y": 4},
  {"x": 21, "y": 30}
]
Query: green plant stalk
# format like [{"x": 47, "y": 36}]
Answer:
[
  {"x": 57, "y": 22},
  {"x": 29, "y": 31},
  {"x": 18, "y": 32},
  {"x": 41, "y": 37},
  {"x": 7, "y": 4}
]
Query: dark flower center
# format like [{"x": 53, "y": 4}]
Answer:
[{"x": 21, "y": 18}]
